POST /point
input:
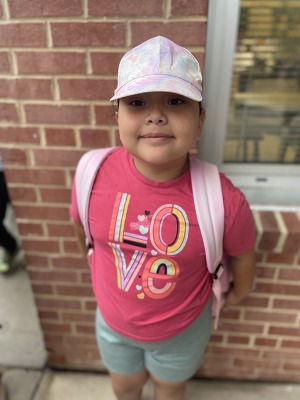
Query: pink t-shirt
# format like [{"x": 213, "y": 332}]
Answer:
[{"x": 148, "y": 267}]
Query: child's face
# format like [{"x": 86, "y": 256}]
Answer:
[{"x": 159, "y": 129}]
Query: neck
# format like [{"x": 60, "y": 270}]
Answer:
[{"x": 162, "y": 173}]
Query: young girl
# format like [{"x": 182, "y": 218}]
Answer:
[{"x": 149, "y": 271}]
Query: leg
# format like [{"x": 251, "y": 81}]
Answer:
[
  {"x": 168, "y": 390},
  {"x": 129, "y": 387}
]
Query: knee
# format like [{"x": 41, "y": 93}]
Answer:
[
  {"x": 129, "y": 387},
  {"x": 169, "y": 390}
]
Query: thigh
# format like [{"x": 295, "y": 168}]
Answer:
[
  {"x": 119, "y": 355},
  {"x": 177, "y": 359}
]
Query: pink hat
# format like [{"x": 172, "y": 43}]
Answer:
[{"x": 159, "y": 65}]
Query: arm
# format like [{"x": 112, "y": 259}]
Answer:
[
  {"x": 242, "y": 268},
  {"x": 79, "y": 231}
]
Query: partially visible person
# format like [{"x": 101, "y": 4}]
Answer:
[{"x": 11, "y": 256}]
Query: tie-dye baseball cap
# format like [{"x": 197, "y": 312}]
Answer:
[{"x": 159, "y": 65}]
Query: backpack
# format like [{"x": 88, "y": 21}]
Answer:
[{"x": 209, "y": 207}]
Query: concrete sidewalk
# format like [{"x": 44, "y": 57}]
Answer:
[{"x": 55, "y": 385}]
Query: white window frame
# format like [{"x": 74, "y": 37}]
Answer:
[{"x": 263, "y": 184}]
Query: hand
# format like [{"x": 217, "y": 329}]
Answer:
[{"x": 233, "y": 298}]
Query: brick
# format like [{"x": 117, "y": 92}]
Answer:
[
  {"x": 42, "y": 213},
  {"x": 292, "y": 243},
  {"x": 86, "y": 89},
  {"x": 8, "y": 113},
  {"x": 93, "y": 138},
  {"x": 47, "y": 276},
  {"x": 282, "y": 354},
  {"x": 4, "y": 62},
  {"x": 241, "y": 328},
  {"x": 238, "y": 340},
  {"x": 74, "y": 290},
  {"x": 278, "y": 289},
  {"x": 55, "y": 195},
  {"x": 106, "y": 63},
  {"x": 44, "y": 8},
  {"x": 76, "y": 317},
  {"x": 112, "y": 8},
  {"x": 271, "y": 231},
  {"x": 18, "y": 135},
  {"x": 56, "y": 327},
  {"x": 87, "y": 330},
  {"x": 53, "y": 158},
  {"x": 23, "y": 194},
  {"x": 58, "y": 303},
  {"x": 78, "y": 341},
  {"x": 265, "y": 342},
  {"x": 71, "y": 247},
  {"x": 265, "y": 272},
  {"x": 13, "y": 157},
  {"x": 269, "y": 316},
  {"x": 42, "y": 246},
  {"x": 257, "y": 302},
  {"x": 91, "y": 34},
  {"x": 23, "y": 35},
  {"x": 65, "y": 114},
  {"x": 292, "y": 222},
  {"x": 189, "y": 7},
  {"x": 282, "y": 258},
  {"x": 290, "y": 274},
  {"x": 40, "y": 176},
  {"x": 105, "y": 115},
  {"x": 271, "y": 365},
  {"x": 60, "y": 137},
  {"x": 284, "y": 331},
  {"x": 30, "y": 229},
  {"x": 25, "y": 89},
  {"x": 286, "y": 304},
  {"x": 36, "y": 260},
  {"x": 60, "y": 230},
  {"x": 41, "y": 289},
  {"x": 290, "y": 344},
  {"x": 48, "y": 315},
  {"x": 194, "y": 32},
  {"x": 70, "y": 262},
  {"x": 86, "y": 277},
  {"x": 51, "y": 62}
]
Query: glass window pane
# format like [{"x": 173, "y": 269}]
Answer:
[{"x": 264, "y": 115}]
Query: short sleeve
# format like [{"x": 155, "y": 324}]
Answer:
[{"x": 239, "y": 233}]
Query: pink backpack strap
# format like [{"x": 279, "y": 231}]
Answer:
[
  {"x": 208, "y": 199},
  {"x": 86, "y": 172}
]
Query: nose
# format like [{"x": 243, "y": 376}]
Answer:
[{"x": 156, "y": 116}]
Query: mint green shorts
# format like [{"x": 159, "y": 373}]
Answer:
[{"x": 174, "y": 360}]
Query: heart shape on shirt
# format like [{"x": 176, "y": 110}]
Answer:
[
  {"x": 141, "y": 296},
  {"x": 143, "y": 229},
  {"x": 141, "y": 218}
]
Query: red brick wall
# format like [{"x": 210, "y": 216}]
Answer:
[{"x": 58, "y": 65}]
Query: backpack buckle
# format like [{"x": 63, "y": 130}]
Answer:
[{"x": 219, "y": 271}]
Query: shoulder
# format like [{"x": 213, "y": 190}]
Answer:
[{"x": 236, "y": 205}]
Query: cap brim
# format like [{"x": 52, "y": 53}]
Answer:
[{"x": 158, "y": 83}]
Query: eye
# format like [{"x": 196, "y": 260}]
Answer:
[
  {"x": 137, "y": 103},
  {"x": 176, "y": 101}
]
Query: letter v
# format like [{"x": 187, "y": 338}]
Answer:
[{"x": 126, "y": 275}]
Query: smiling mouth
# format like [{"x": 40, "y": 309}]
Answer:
[{"x": 156, "y": 137}]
